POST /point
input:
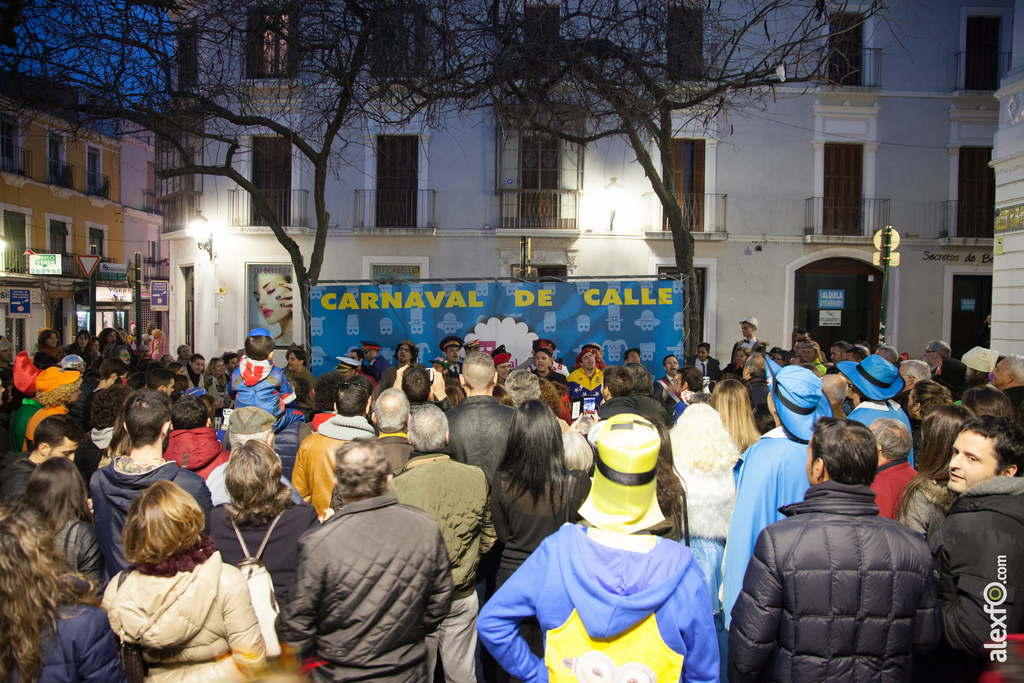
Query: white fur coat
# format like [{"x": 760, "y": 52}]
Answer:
[{"x": 705, "y": 455}]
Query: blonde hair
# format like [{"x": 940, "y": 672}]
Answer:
[
  {"x": 731, "y": 399},
  {"x": 163, "y": 522},
  {"x": 58, "y": 396},
  {"x": 701, "y": 442},
  {"x": 35, "y": 584}
]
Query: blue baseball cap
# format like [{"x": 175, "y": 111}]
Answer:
[{"x": 260, "y": 332}]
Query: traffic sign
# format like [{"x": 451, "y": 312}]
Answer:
[
  {"x": 88, "y": 264},
  {"x": 894, "y": 239}
]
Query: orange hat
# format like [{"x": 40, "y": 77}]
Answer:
[
  {"x": 51, "y": 378},
  {"x": 25, "y": 374}
]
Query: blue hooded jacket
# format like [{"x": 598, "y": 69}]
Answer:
[
  {"x": 610, "y": 590},
  {"x": 82, "y": 650},
  {"x": 112, "y": 493}
]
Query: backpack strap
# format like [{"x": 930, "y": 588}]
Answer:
[{"x": 263, "y": 544}]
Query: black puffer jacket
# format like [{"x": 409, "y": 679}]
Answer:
[
  {"x": 834, "y": 593},
  {"x": 478, "y": 432},
  {"x": 370, "y": 584},
  {"x": 980, "y": 543}
]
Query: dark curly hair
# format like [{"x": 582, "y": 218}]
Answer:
[{"x": 107, "y": 404}]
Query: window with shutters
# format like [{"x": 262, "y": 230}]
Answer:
[
  {"x": 97, "y": 238},
  {"x": 688, "y": 175},
  {"x": 844, "y": 179},
  {"x": 15, "y": 239},
  {"x": 976, "y": 193},
  {"x": 846, "y": 49},
  {"x": 8, "y": 144},
  {"x": 58, "y": 237},
  {"x": 272, "y": 175},
  {"x": 400, "y": 44},
  {"x": 397, "y": 181},
  {"x": 684, "y": 42},
  {"x": 981, "y": 62},
  {"x": 271, "y": 51},
  {"x": 188, "y": 55}
]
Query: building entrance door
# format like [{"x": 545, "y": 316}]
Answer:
[
  {"x": 838, "y": 299},
  {"x": 972, "y": 303}
]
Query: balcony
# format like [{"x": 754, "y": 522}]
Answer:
[
  {"x": 17, "y": 160},
  {"x": 289, "y": 207},
  {"x": 970, "y": 220},
  {"x": 97, "y": 184},
  {"x": 831, "y": 216},
  {"x": 540, "y": 209},
  {"x": 149, "y": 202},
  {"x": 702, "y": 213},
  {"x": 178, "y": 209},
  {"x": 60, "y": 174},
  {"x": 862, "y": 68},
  {"x": 15, "y": 261},
  {"x": 981, "y": 70},
  {"x": 394, "y": 209}
]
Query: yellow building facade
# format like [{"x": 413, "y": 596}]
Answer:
[{"x": 60, "y": 194}]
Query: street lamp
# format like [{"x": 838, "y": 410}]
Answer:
[
  {"x": 613, "y": 191},
  {"x": 199, "y": 229}
]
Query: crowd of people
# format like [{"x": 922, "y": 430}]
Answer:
[{"x": 790, "y": 516}]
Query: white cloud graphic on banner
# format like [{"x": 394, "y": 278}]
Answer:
[{"x": 516, "y": 336}]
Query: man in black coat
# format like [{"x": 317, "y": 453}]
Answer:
[
  {"x": 835, "y": 592},
  {"x": 979, "y": 551},
  {"x": 478, "y": 427},
  {"x": 371, "y": 583}
]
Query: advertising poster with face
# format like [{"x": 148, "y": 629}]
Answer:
[{"x": 271, "y": 305}]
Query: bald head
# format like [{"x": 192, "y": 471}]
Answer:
[
  {"x": 391, "y": 411},
  {"x": 834, "y": 388}
]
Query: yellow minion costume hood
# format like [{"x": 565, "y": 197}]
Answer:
[{"x": 624, "y": 497}]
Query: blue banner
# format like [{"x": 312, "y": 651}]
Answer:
[{"x": 618, "y": 314}]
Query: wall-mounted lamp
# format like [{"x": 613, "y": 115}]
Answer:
[
  {"x": 199, "y": 229},
  {"x": 751, "y": 248},
  {"x": 613, "y": 191}
]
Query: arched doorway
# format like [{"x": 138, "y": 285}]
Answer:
[{"x": 838, "y": 299}]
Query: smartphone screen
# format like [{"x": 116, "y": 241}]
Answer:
[{"x": 589, "y": 404}]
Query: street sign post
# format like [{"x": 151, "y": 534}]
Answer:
[{"x": 886, "y": 241}]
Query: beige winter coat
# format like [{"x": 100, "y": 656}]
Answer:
[{"x": 194, "y": 626}]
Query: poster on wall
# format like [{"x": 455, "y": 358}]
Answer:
[
  {"x": 270, "y": 301},
  {"x": 649, "y": 315}
]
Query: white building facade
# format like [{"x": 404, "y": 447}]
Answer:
[{"x": 783, "y": 202}]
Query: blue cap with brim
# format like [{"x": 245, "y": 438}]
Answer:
[
  {"x": 798, "y": 399},
  {"x": 260, "y": 332},
  {"x": 875, "y": 377}
]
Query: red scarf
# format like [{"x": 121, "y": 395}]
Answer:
[{"x": 185, "y": 562}]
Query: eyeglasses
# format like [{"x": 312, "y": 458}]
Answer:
[{"x": 124, "y": 355}]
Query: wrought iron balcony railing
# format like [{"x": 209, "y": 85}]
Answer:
[
  {"x": 394, "y": 209},
  {"x": 845, "y": 217}
]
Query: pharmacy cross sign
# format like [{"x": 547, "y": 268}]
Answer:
[{"x": 88, "y": 264}]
